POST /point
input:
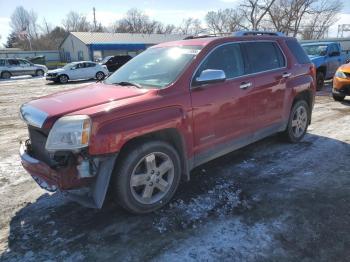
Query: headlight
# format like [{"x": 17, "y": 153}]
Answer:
[
  {"x": 69, "y": 133},
  {"x": 340, "y": 74}
]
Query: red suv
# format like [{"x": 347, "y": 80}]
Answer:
[{"x": 166, "y": 111}]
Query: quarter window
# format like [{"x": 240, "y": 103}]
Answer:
[
  {"x": 262, "y": 56},
  {"x": 227, "y": 58}
]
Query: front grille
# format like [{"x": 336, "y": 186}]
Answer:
[{"x": 38, "y": 140}]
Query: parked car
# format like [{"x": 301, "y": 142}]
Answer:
[
  {"x": 170, "y": 109},
  {"x": 77, "y": 71},
  {"x": 327, "y": 57},
  {"x": 341, "y": 83},
  {"x": 113, "y": 63},
  {"x": 18, "y": 67}
]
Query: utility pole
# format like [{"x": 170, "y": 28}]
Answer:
[{"x": 95, "y": 22}]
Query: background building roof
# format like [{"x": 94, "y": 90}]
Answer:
[{"x": 94, "y": 38}]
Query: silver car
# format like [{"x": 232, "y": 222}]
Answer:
[{"x": 18, "y": 67}]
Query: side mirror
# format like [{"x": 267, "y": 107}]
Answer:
[
  {"x": 72, "y": 68},
  {"x": 210, "y": 76}
]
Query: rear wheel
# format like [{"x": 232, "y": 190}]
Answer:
[
  {"x": 147, "y": 177},
  {"x": 319, "y": 81},
  {"x": 100, "y": 75},
  {"x": 338, "y": 97},
  {"x": 298, "y": 121},
  {"x": 5, "y": 75},
  {"x": 63, "y": 79}
]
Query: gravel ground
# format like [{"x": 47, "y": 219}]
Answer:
[{"x": 270, "y": 201}]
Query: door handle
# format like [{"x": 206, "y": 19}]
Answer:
[
  {"x": 245, "y": 85},
  {"x": 286, "y": 75}
]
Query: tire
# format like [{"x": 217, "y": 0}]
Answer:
[
  {"x": 142, "y": 172},
  {"x": 5, "y": 75},
  {"x": 63, "y": 79},
  {"x": 298, "y": 122},
  {"x": 100, "y": 75},
  {"x": 338, "y": 98},
  {"x": 319, "y": 81},
  {"x": 39, "y": 72}
]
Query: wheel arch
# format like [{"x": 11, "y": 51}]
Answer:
[
  {"x": 323, "y": 69},
  {"x": 308, "y": 97},
  {"x": 168, "y": 135}
]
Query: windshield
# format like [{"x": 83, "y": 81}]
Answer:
[
  {"x": 68, "y": 66},
  {"x": 155, "y": 67},
  {"x": 317, "y": 50}
]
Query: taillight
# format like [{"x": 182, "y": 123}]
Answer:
[{"x": 313, "y": 71}]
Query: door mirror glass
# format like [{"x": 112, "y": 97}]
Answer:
[{"x": 210, "y": 76}]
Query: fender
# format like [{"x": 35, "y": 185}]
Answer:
[{"x": 110, "y": 136}]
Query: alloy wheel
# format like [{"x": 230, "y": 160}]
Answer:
[
  {"x": 152, "y": 178},
  {"x": 299, "y": 122}
]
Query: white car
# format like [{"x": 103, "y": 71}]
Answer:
[{"x": 77, "y": 71}]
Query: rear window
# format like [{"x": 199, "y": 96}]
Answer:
[
  {"x": 298, "y": 52},
  {"x": 263, "y": 56}
]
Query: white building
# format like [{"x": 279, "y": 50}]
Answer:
[{"x": 91, "y": 46}]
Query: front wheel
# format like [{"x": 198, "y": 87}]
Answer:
[
  {"x": 147, "y": 177},
  {"x": 39, "y": 72},
  {"x": 298, "y": 121},
  {"x": 63, "y": 79},
  {"x": 338, "y": 98},
  {"x": 100, "y": 75}
]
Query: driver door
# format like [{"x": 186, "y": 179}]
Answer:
[{"x": 221, "y": 110}]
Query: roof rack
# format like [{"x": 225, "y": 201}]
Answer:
[{"x": 247, "y": 33}]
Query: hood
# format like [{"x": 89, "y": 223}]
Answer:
[
  {"x": 59, "y": 104},
  {"x": 58, "y": 70},
  {"x": 317, "y": 60}
]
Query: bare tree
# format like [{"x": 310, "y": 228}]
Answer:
[
  {"x": 190, "y": 26},
  {"x": 224, "y": 21},
  {"x": 322, "y": 16},
  {"x": 23, "y": 20},
  {"x": 136, "y": 21},
  {"x": 75, "y": 22},
  {"x": 254, "y": 11}
]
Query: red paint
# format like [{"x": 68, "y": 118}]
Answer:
[{"x": 204, "y": 117}]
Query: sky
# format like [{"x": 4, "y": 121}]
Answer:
[{"x": 107, "y": 11}]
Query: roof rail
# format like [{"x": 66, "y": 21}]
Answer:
[
  {"x": 206, "y": 35},
  {"x": 247, "y": 33}
]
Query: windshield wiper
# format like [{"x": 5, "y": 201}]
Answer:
[{"x": 126, "y": 83}]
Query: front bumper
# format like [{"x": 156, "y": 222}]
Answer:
[
  {"x": 341, "y": 86},
  {"x": 51, "y": 179},
  {"x": 51, "y": 78},
  {"x": 89, "y": 192}
]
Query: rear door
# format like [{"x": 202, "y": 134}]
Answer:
[
  {"x": 14, "y": 67},
  {"x": 267, "y": 65},
  {"x": 90, "y": 69},
  {"x": 221, "y": 111},
  {"x": 27, "y": 68}
]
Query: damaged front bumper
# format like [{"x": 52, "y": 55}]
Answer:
[{"x": 89, "y": 192}]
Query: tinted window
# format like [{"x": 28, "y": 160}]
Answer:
[
  {"x": 24, "y": 63},
  {"x": 298, "y": 52},
  {"x": 13, "y": 62},
  {"x": 227, "y": 58},
  {"x": 90, "y": 64},
  {"x": 2, "y": 62},
  {"x": 263, "y": 56}
]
